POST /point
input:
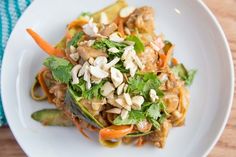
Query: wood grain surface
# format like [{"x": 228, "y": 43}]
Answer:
[{"x": 225, "y": 11}]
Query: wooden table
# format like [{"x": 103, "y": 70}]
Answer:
[{"x": 225, "y": 11}]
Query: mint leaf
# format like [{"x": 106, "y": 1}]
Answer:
[
  {"x": 60, "y": 68},
  {"x": 141, "y": 84},
  {"x": 184, "y": 74},
  {"x": 93, "y": 92},
  {"x": 74, "y": 41},
  {"x": 134, "y": 117},
  {"x": 138, "y": 46}
]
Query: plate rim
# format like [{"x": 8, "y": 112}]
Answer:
[{"x": 228, "y": 53}]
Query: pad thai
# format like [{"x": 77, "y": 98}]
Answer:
[{"x": 113, "y": 75}]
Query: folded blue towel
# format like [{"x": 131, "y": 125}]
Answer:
[{"x": 10, "y": 11}]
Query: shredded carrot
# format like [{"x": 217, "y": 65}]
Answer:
[
  {"x": 174, "y": 61},
  {"x": 44, "y": 45},
  {"x": 92, "y": 128},
  {"x": 77, "y": 23},
  {"x": 161, "y": 60},
  {"x": 120, "y": 23},
  {"x": 68, "y": 36},
  {"x": 116, "y": 21},
  {"x": 43, "y": 85},
  {"x": 168, "y": 56},
  {"x": 140, "y": 142},
  {"x": 115, "y": 132},
  {"x": 77, "y": 124}
]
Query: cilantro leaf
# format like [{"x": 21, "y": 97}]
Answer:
[
  {"x": 93, "y": 92},
  {"x": 139, "y": 46},
  {"x": 106, "y": 44},
  {"x": 190, "y": 78},
  {"x": 154, "y": 122},
  {"x": 120, "y": 66},
  {"x": 61, "y": 69},
  {"x": 99, "y": 44},
  {"x": 184, "y": 74},
  {"x": 141, "y": 84},
  {"x": 74, "y": 41},
  {"x": 83, "y": 14},
  {"x": 134, "y": 117},
  {"x": 156, "y": 113},
  {"x": 153, "y": 111}
]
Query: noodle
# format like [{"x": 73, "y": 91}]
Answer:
[{"x": 118, "y": 78}]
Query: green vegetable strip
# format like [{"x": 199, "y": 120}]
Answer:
[
  {"x": 52, "y": 117},
  {"x": 74, "y": 41},
  {"x": 138, "y": 46}
]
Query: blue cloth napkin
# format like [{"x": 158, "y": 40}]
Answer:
[{"x": 10, "y": 12}]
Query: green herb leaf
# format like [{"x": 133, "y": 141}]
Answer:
[
  {"x": 93, "y": 92},
  {"x": 153, "y": 111},
  {"x": 61, "y": 68},
  {"x": 190, "y": 78},
  {"x": 156, "y": 113},
  {"x": 120, "y": 66},
  {"x": 83, "y": 14},
  {"x": 180, "y": 70},
  {"x": 106, "y": 44},
  {"x": 141, "y": 84},
  {"x": 162, "y": 118},
  {"x": 154, "y": 122},
  {"x": 74, "y": 41},
  {"x": 134, "y": 117},
  {"x": 139, "y": 46},
  {"x": 184, "y": 74}
]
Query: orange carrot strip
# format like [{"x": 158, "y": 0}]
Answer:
[
  {"x": 115, "y": 132},
  {"x": 45, "y": 46},
  {"x": 175, "y": 61},
  {"x": 161, "y": 59},
  {"x": 140, "y": 142},
  {"x": 121, "y": 26},
  {"x": 77, "y": 124},
  {"x": 77, "y": 23},
  {"x": 68, "y": 36},
  {"x": 168, "y": 56},
  {"x": 44, "y": 86}
]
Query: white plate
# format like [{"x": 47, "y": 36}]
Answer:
[{"x": 200, "y": 43}]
